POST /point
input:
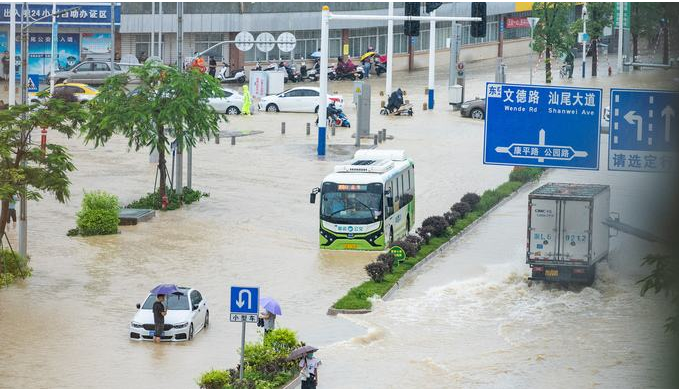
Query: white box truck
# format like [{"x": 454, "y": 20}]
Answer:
[{"x": 566, "y": 233}]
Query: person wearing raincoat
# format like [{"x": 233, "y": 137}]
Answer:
[{"x": 247, "y": 100}]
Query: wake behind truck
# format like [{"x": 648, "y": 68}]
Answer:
[{"x": 566, "y": 233}]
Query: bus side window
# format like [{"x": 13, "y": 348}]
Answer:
[
  {"x": 390, "y": 190},
  {"x": 397, "y": 195}
]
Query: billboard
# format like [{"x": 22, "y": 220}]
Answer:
[{"x": 40, "y": 52}]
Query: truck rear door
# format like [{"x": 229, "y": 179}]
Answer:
[
  {"x": 542, "y": 233},
  {"x": 575, "y": 231}
]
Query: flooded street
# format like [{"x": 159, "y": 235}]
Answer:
[{"x": 468, "y": 320}]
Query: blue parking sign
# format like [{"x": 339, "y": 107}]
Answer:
[
  {"x": 542, "y": 126},
  {"x": 643, "y": 135}
]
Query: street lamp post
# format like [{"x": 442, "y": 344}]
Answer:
[
  {"x": 584, "y": 35},
  {"x": 532, "y": 22}
]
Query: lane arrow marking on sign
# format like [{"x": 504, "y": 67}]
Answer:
[
  {"x": 667, "y": 113},
  {"x": 240, "y": 301},
  {"x": 632, "y": 117}
]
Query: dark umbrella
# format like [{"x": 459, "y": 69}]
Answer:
[
  {"x": 300, "y": 352},
  {"x": 166, "y": 289}
]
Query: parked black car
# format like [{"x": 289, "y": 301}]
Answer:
[{"x": 475, "y": 109}]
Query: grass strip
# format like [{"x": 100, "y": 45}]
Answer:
[{"x": 358, "y": 297}]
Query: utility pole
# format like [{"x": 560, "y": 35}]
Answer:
[
  {"x": 180, "y": 155},
  {"x": 180, "y": 63},
  {"x": 12, "y": 54},
  {"x": 584, "y": 41},
  {"x": 23, "y": 226},
  {"x": 432, "y": 61},
  {"x": 113, "y": 36},
  {"x": 160, "y": 31},
  {"x": 153, "y": 29},
  {"x": 55, "y": 40},
  {"x": 532, "y": 22},
  {"x": 621, "y": 21},
  {"x": 390, "y": 49},
  {"x": 499, "y": 71}
]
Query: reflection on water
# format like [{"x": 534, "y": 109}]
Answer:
[{"x": 69, "y": 321}]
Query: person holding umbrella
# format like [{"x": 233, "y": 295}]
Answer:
[
  {"x": 159, "y": 312},
  {"x": 270, "y": 309},
  {"x": 308, "y": 365}
]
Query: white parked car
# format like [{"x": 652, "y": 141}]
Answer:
[
  {"x": 187, "y": 314},
  {"x": 302, "y": 99},
  {"x": 230, "y": 104}
]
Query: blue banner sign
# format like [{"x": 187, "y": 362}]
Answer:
[
  {"x": 542, "y": 126},
  {"x": 88, "y": 15},
  {"x": 643, "y": 130}
]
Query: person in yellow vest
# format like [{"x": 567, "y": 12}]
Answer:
[{"x": 247, "y": 100}]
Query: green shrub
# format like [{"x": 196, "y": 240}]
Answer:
[
  {"x": 410, "y": 248},
  {"x": 99, "y": 214},
  {"x": 282, "y": 341},
  {"x": 438, "y": 225},
  {"x": 426, "y": 233},
  {"x": 154, "y": 200},
  {"x": 376, "y": 271},
  {"x": 387, "y": 259},
  {"x": 13, "y": 265},
  {"x": 525, "y": 174},
  {"x": 214, "y": 379},
  {"x": 451, "y": 217},
  {"x": 471, "y": 198},
  {"x": 414, "y": 240},
  {"x": 462, "y": 208}
]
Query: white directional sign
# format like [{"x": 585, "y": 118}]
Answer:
[
  {"x": 237, "y": 317},
  {"x": 244, "y": 41},
  {"x": 265, "y": 42},
  {"x": 286, "y": 42},
  {"x": 643, "y": 130}
]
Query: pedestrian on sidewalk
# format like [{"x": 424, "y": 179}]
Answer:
[
  {"x": 12, "y": 211},
  {"x": 5, "y": 65},
  {"x": 159, "y": 312},
  {"x": 570, "y": 61},
  {"x": 309, "y": 371}
]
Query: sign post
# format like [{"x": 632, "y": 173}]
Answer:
[
  {"x": 642, "y": 130},
  {"x": 542, "y": 126},
  {"x": 244, "y": 309}
]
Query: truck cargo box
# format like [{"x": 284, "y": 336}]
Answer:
[{"x": 565, "y": 228}]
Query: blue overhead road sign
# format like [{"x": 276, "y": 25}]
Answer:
[
  {"x": 244, "y": 303},
  {"x": 643, "y": 130},
  {"x": 529, "y": 125}
]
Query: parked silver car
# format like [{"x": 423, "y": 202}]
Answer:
[{"x": 87, "y": 72}]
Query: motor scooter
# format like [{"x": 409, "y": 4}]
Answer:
[
  {"x": 381, "y": 65},
  {"x": 235, "y": 76}
]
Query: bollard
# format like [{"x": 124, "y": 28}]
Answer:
[
  {"x": 424, "y": 106},
  {"x": 407, "y": 101},
  {"x": 233, "y": 141},
  {"x": 384, "y": 134},
  {"x": 358, "y": 141},
  {"x": 382, "y": 104},
  {"x": 379, "y": 136},
  {"x": 381, "y": 93},
  {"x": 375, "y": 139},
  {"x": 308, "y": 128},
  {"x": 405, "y": 92},
  {"x": 217, "y": 139},
  {"x": 332, "y": 129},
  {"x": 426, "y": 91},
  {"x": 282, "y": 128}
]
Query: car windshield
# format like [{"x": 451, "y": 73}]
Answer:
[
  {"x": 172, "y": 301},
  {"x": 351, "y": 203}
]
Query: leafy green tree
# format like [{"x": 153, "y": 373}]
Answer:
[
  {"x": 165, "y": 103},
  {"x": 600, "y": 15},
  {"x": 664, "y": 278},
  {"x": 551, "y": 33},
  {"x": 644, "y": 22},
  {"x": 25, "y": 170}
]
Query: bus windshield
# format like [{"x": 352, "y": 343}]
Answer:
[{"x": 351, "y": 203}]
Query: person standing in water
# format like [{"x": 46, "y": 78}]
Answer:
[{"x": 247, "y": 100}]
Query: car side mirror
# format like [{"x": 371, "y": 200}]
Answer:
[
  {"x": 312, "y": 195},
  {"x": 138, "y": 306},
  {"x": 195, "y": 306}
]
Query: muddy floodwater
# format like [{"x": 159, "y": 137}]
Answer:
[{"x": 469, "y": 319}]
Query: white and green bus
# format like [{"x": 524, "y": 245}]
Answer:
[{"x": 368, "y": 202}]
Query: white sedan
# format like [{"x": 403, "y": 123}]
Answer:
[
  {"x": 302, "y": 99},
  {"x": 231, "y": 103},
  {"x": 187, "y": 314}
]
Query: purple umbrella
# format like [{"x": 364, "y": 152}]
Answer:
[
  {"x": 270, "y": 305},
  {"x": 166, "y": 289}
]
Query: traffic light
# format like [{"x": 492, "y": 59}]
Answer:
[
  {"x": 478, "y": 29},
  {"x": 431, "y": 7},
  {"x": 412, "y": 27}
]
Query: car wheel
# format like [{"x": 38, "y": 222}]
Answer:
[
  {"x": 476, "y": 113},
  {"x": 191, "y": 332},
  {"x": 272, "y": 108},
  {"x": 232, "y": 110},
  {"x": 207, "y": 319}
]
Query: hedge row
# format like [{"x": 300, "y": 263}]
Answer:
[{"x": 435, "y": 231}]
